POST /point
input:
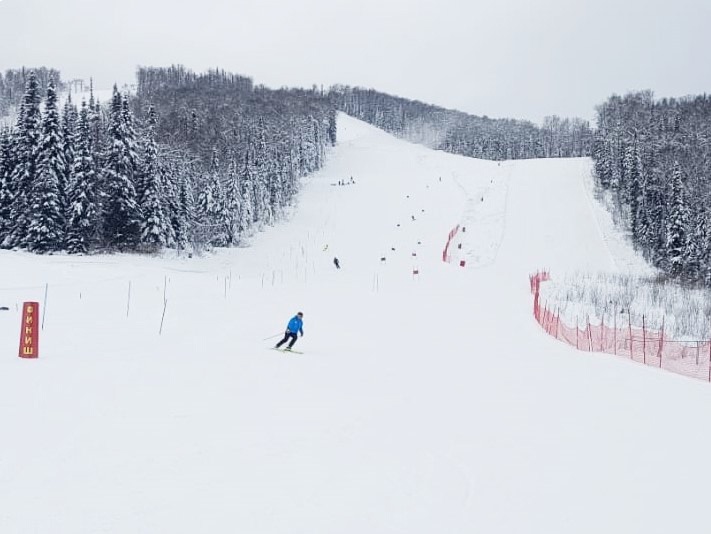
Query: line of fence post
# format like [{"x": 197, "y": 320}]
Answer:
[
  {"x": 644, "y": 342},
  {"x": 602, "y": 333},
  {"x": 589, "y": 335},
  {"x": 629, "y": 323},
  {"x": 162, "y": 317},
  {"x": 44, "y": 304},
  {"x": 661, "y": 341},
  {"x": 614, "y": 331},
  {"x": 128, "y": 299},
  {"x": 545, "y": 316},
  {"x": 557, "y": 320}
]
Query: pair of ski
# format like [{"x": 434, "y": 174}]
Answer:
[{"x": 286, "y": 350}]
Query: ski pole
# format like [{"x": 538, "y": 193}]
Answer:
[{"x": 272, "y": 337}]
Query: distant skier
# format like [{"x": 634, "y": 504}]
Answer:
[
  {"x": 296, "y": 325},
  {"x": 336, "y": 263}
]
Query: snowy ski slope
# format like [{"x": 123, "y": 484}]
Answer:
[{"x": 423, "y": 404}]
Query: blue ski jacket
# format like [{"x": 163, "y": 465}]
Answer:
[{"x": 295, "y": 325}]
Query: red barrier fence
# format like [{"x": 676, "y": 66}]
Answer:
[
  {"x": 620, "y": 337},
  {"x": 445, "y": 253}
]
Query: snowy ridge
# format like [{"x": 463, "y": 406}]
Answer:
[{"x": 428, "y": 403}]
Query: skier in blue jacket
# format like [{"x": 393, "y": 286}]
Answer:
[{"x": 296, "y": 325}]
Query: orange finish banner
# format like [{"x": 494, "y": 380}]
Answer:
[{"x": 29, "y": 330}]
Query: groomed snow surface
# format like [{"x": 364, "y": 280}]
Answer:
[{"x": 429, "y": 403}]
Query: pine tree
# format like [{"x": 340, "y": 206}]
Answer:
[
  {"x": 83, "y": 195},
  {"x": 635, "y": 192},
  {"x": 332, "y": 130},
  {"x": 655, "y": 232},
  {"x": 255, "y": 170},
  {"x": 246, "y": 219},
  {"x": 171, "y": 198},
  {"x": 7, "y": 167},
  {"x": 69, "y": 123},
  {"x": 27, "y": 145},
  {"x": 130, "y": 138},
  {"x": 267, "y": 185},
  {"x": 185, "y": 215},
  {"x": 45, "y": 230},
  {"x": 677, "y": 225},
  {"x": 96, "y": 127},
  {"x": 203, "y": 208},
  {"x": 211, "y": 206},
  {"x": 156, "y": 230},
  {"x": 697, "y": 252},
  {"x": 706, "y": 252},
  {"x": 121, "y": 210},
  {"x": 233, "y": 206}
]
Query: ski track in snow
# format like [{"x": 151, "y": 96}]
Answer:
[{"x": 427, "y": 403}]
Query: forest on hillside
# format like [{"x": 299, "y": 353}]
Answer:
[
  {"x": 460, "y": 133},
  {"x": 653, "y": 156},
  {"x": 191, "y": 161},
  {"x": 13, "y": 83}
]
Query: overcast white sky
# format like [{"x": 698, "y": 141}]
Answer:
[{"x": 502, "y": 58}]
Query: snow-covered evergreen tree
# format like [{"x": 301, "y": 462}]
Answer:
[
  {"x": 260, "y": 194},
  {"x": 156, "y": 230},
  {"x": 332, "y": 130},
  {"x": 83, "y": 194},
  {"x": 130, "y": 137},
  {"x": 7, "y": 167},
  {"x": 635, "y": 190},
  {"x": 677, "y": 225},
  {"x": 96, "y": 127},
  {"x": 28, "y": 136},
  {"x": 601, "y": 157},
  {"x": 46, "y": 220},
  {"x": 233, "y": 206},
  {"x": 121, "y": 210},
  {"x": 246, "y": 215},
  {"x": 183, "y": 223},
  {"x": 266, "y": 192},
  {"x": 211, "y": 206},
  {"x": 655, "y": 235},
  {"x": 697, "y": 257},
  {"x": 69, "y": 123}
]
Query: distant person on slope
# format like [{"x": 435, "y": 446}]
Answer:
[
  {"x": 296, "y": 325},
  {"x": 336, "y": 263}
]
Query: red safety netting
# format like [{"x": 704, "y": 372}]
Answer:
[
  {"x": 446, "y": 257},
  {"x": 618, "y": 336}
]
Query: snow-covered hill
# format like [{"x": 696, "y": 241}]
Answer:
[{"x": 423, "y": 403}]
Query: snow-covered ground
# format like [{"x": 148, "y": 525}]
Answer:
[
  {"x": 101, "y": 95},
  {"x": 423, "y": 403}
]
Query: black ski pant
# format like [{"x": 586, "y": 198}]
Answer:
[{"x": 288, "y": 335}]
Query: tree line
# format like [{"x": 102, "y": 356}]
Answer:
[
  {"x": 14, "y": 81},
  {"x": 464, "y": 134},
  {"x": 654, "y": 158},
  {"x": 191, "y": 161}
]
